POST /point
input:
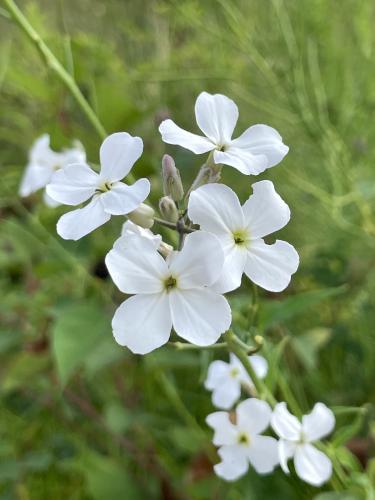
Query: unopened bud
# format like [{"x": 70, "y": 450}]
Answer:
[
  {"x": 168, "y": 209},
  {"x": 142, "y": 216},
  {"x": 165, "y": 249},
  {"x": 172, "y": 184}
]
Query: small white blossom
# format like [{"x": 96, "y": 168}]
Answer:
[
  {"x": 225, "y": 379},
  {"x": 258, "y": 148},
  {"x": 78, "y": 183},
  {"x": 130, "y": 230},
  {"x": 168, "y": 293},
  {"x": 43, "y": 163},
  {"x": 216, "y": 208},
  {"x": 241, "y": 443},
  {"x": 311, "y": 464}
]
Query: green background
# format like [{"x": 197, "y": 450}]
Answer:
[{"x": 82, "y": 418}]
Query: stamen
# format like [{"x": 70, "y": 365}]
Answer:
[{"x": 170, "y": 283}]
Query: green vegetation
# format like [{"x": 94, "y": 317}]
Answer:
[{"x": 81, "y": 417}]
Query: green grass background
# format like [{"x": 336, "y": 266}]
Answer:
[{"x": 82, "y": 418}]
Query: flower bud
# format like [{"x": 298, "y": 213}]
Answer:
[
  {"x": 168, "y": 209},
  {"x": 165, "y": 249},
  {"x": 172, "y": 184},
  {"x": 142, "y": 216}
]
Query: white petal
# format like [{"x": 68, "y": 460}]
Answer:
[
  {"x": 271, "y": 266},
  {"x": 263, "y": 454},
  {"x": 50, "y": 202},
  {"x": 76, "y": 224},
  {"x": 234, "y": 463},
  {"x": 253, "y": 415},
  {"x": 216, "y": 208},
  {"x": 265, "y": 212},
  {"x": 262, "y": 141},
  {"x": 312, "y": 465},
  {"x": 319, "y": 423},
  {"x": 286, "y": 450},
  {"x": 216, "y": 116},
  {"x": 286, "y": 425},
  {"x": 135, "y": 266},
  {"x": 129, "y": 229},
  {"x": 241, "y": 160},
  {"x": 73, "y": 155},
  {"x": 200, "y": 261},
  {"x": 227, "y": 393},
  {"x": 259, "y": 364},
  {"x": 34, "y": 178},
  {"x": 118, "y": 153},
  {"x": 234, "y": 265},
  {"x": 199, "y": 316},
  {"x": 143, "y": 323},
  {"x": 122, "y": 199},
  {"x": 225, "y": 431},
  {"x": 40, "y": 150},
  {"x": 73, "y": 184},
  {"x": 218, "y": 371},
  {"x": 173, "y": 134}
]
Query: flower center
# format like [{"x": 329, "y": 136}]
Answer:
[
  {"x": 241, "y": 237},
  {"x": 170, "y": 283},
  {"x": 104, "y": 187},
  {"x": 243, "y": 438},
  {"x": 234, "y": 372}
]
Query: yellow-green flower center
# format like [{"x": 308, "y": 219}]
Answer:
[
  {"x": 170, "y": 283},
  {"x": 243, "y": 438},
  {"x": 103, "y": 188},
  {"x": 241, "y": 237}
]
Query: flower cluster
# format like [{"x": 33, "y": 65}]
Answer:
[
  {"x": 240, "y": 440},
  {"x": 181, "y": 291}
]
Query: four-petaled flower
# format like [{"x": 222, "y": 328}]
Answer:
[
  {"x": 216, "y": 208},
  {"x": 311, "y": 464},
  {"x": 258, "y": 148},
  {"x": 242, "y": 442},
  {"x": 78, "y": 183},
  {"x": 168, "y": 293},
  {"x": 225, "y": 379},
  {"x": 43, "y": 163}
]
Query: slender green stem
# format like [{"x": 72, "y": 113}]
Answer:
[
  {"x": 54, "y": 65},
  {"x": 236, "y": 346},
  {"x": 171, "y": 225}
]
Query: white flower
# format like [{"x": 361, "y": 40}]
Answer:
[
  {"x": 216, "y": 208},
  {"x": 225, "y": 379},
  {"x": 43, "y": 163},
  {"x": 78, "y": 183},
  {"x": 258, "y": 148},
  {"x": 168, "y": 293},
  {"x": 311, "y": 465},
  {"x": 242, "y": 442}
]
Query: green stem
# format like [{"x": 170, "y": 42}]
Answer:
[
  {"x": 54, "y": 65},
  {"x": 172, "y": 225},
  {"x": 236, "y": 346},
  {"x": 182, "y": 346}
]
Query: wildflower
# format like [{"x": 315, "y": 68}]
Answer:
[
  {"x": 43, "y": 163},
  {"x": 258, "y": 148},
  {"x": 241, "y": 442},
  {"x": 216, "y": 208},
  {"x": 311, "y": 464},
  {"x": 168, "y": 293},
  {"x": 78, "y": 183},
  {"x": 225, "y": 379}
]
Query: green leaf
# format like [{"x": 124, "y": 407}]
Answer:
[
  {"x": 307, "y": 345},
  {"x": 77, "y": 332},
  {"x": 273, "y": 312}
]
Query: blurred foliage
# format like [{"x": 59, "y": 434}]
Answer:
[{"x": 81, "y": 418}]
